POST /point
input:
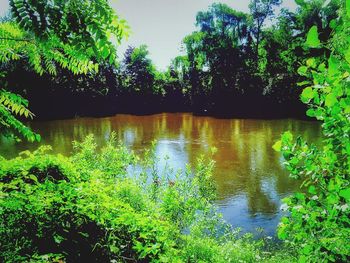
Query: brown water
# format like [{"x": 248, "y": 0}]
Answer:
[{"x": 249, "y": 175}]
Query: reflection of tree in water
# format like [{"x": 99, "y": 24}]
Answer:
[
  {"x": 245, "y": 162},
  {"x": 259, "y": 201}
]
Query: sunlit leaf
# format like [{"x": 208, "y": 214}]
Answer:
[
  {"x": 312, "y": 39},
  {"x": 345, "y": 193},
  {"x": 331, "y": 99},
  {"x": 277, "y": 146},
  {"x": 311, "y": 62},
  {"x": 312, "y": 189},
  {"x": 302, "y": 71},
  {"x": 307, "y": 94}
]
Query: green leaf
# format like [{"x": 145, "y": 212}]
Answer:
[
  {"x": 302, "y": 71},
  {"x": 307, "y": 249},
  {"x": 333, "y": 24},
  {"x": 311, "y": 63},
  {"x": 112, "y": 59},
  {"x": 105, "y": 52},
  {"x": 287, "y": 136},
  {"x": 277, "y": 146},
  {"x": 58, "y": 239},
  {"x": 332, "y": 199},
  {"x": 282, "y": 233},
  {"x": 299, "y": 196},
  {"x": 347, "y": 55},
  {"x": 312, "y": 190},
  {"x": 345, "y": 193},
  {"x": 310, "y": 113},
  {"x": 37, "y": 137},
  {"x": 307, "y": 94},
  {"x": 347, "y": 109},
  {"x": 33, "y": 177},
  {"x": 303, "y": 83},
  {"x": 333, "y": 66},
  {"x": 348, "y": 7},
  {"x": 331, "y": 99},
  {"x": 312, "y": 39}
]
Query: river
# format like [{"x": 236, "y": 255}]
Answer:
[{"x": 249, "y": 174}]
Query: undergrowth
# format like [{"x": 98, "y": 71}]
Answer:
[{"x": 99, "y": 206}]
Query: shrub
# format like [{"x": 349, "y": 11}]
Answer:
[
  {"x": 91, "y": 208},
  {"x": 52, "y": 205},
  {"x": 319, "y": 221}
]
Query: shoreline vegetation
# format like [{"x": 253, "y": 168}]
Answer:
[
  {"x": 234, "y": 64},
  {"x": 86, "y": 208}
]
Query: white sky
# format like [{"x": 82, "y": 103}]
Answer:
[{"x": 162, "y": 24}]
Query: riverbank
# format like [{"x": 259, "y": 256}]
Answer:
[
  {"x": 69, "y": 209},
  {"x": 250, "y": 178}
]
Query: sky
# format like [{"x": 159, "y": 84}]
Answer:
[{"x": 162, "y": 24}]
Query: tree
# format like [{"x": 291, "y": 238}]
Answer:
[
  {"x": 216, "y": 54},
  {"x": 260, "y": 10},
  {"x": 86, "y": 26},
  {"x": 176, "y": 85},
  {"x": 138, "y": 70},
  {"x": 72, "y": 34},
  {"x": 280, "y": 55}
]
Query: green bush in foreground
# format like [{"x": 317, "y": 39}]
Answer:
[
  {"x": 319, "y": 221},
  {"x": 99, "y": 206}
]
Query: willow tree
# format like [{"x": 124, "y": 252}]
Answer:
[{"x": 73, "y": 34}]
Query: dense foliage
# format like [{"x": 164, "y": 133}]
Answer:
[
  {"x": 105, "y": 205},
  {"x": 109, "y": 205},
  {"x": 73, "y": 35},
  {"x": 76, "y": 30},
  {"x": 11, "y": 104},
  {"x": 233, "y": 60},
  {"x": 319, "y": 221}
]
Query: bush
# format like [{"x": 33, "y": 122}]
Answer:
[
  {"x": 319, "y": 221},
  {"x": 83, "y": 208},
  {"x": 91, "y": 207}
]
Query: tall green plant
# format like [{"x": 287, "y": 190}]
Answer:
[{"x": 319, "y": 220}]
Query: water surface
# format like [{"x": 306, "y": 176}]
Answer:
[{"x": 249, "y": 175}]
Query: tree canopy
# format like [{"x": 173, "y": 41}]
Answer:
[{"x": 76, "y": 35}]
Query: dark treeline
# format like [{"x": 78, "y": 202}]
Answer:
[{"x": 235, "y": 65}]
